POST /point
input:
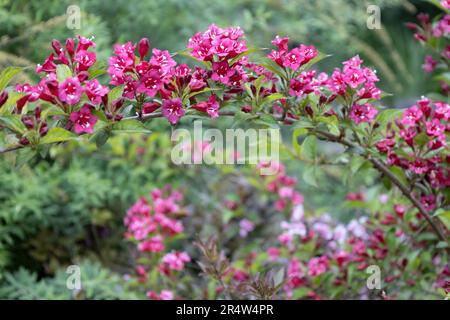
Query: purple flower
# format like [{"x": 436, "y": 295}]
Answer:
[
  {"x": 173, "y": 110},
  {"x": 83, "y": 120},
  {"x": 70, "y": 91}
]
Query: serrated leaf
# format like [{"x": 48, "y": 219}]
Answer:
[{"x": 310, "y": 175}]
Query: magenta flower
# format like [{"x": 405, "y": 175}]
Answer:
[
  {"x": 151, "y": 83},
  {"x": 318, "y": 265},
  {"x": 246, "y": 226},
  {"x": 175, "y": 260},
  {"x": 95, "y": 91},
  {"x": 362, "y": 113},
  {"x": 83, "y": 120},
  {"x": 429, "y": 64},
  {"x": 70, "y": 91},
  {"x": 435, "y": 128},
  {"x": 173, "y": 110},
  {"x": 211, "y": 106},
  {"x": 85, "y": 60},
  {"x": 411, "y": 116}
]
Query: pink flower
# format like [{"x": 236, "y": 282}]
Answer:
[
  {"x": 362, "y": 113},
  {"x": 411, "y": 116},
  {"x": 293, "y": 59},
  {"x": 150, "y": 83},
  {"x": 281, "y": 43},
  {"x": 175, "y": 260},
  {"x": 70, "y": 91},
  {"x": 294, "y": 273},
  {"x": 222, "y": 72},
  {"x": 318, "y": 265},
  {"x": 154, "y": 244},
  {"x": 418, "y": 166},
  {"x": 442, "y": 111},
  {"x": 85, "y": 60},
  {"x": 83, "y": 120},
  {"x": 246, "y": 226},
  {"x": 429, "y": 64},
  {"x": 445, "y": 4},
  {"x": 211, "y": 106},
  {"x": 273, "y": 253},
  {"x": 172, "y": 110},
  {"x": 164, "y": 295},
  {"x": 95, "y": 91},
  {"x": 435, "y": 128}
]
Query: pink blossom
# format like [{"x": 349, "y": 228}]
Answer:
[
  {"x": 435, "y": 128},
  {"x": 429, "y": 64},
  {"x": 154, "y": 244},
  {"x": 70, "y": 91},
  {"x": 83, "y": 120},
  {"x": 211, "y": 106},
  {"x": 318, "y": 265},
  {"x": 164, "y": 295},
  {"x": 176, "y": 260},
  {"x": 411, "y": 116},
  {"x": 362, "y": 113},
  {"x": 246, "y": 226},
  {"x": 95, "y": 91},
  {"x": 172, "y": 110}
]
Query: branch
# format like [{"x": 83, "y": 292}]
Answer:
[
  {"x": 380, "y": 166},
  {"x": 5, "y": 150}
]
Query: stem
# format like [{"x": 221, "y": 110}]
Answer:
[
  {"x": 380, "y": 166},
  {"x": 16, "y": 147}
]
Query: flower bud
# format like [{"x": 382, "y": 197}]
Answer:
[
  {"x": 70, "y": 46},
  {"x": 56, "y": 45},
  {"x": 117, "y": 104},
  {"x": 24, "y": 141},
  {"x": 3, "y": 98},
  {"x": 144, "y": 47}
]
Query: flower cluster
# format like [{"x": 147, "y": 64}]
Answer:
[
  {"x": 422, "y": 129},
  {"x": 149, "y": 224},
  {"x": 222, "y": 48},
  {"x": 76, "y": 60},
  {"x": 355, "y": 83},
  {"x": 283, "y": 185},
  {"x": 152, "y": 225}
]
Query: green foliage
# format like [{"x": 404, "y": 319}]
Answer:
[{"x": 96, "y": 283}]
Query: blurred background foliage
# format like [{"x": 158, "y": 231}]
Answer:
[{"x": 68, "y": 207}]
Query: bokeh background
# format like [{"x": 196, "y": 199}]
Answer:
[{"x": 69, "y": 205}]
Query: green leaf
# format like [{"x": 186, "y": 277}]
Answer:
[
  {"x": 298, "y": 132},
  {"x": 130, "y": 126},
  {"x": 309, "y": 148},
  {"x": 58, "y": 135},
  {"x": 7, "y": 75},
  {"x": 63, "y": 72},
  {"x": 388, "y": 115},
  {"x": 332, "y": 123},
  {"x": 400, "y": 174},
  {"x": 310, "y": 175},
  {"x": 115, "y": 94},
  {"x": 14, "y": 123},
  {"x": 13, "y": 97},
  {"x": 273, "y": 97}
]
